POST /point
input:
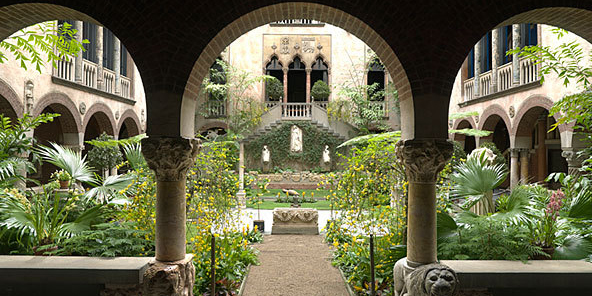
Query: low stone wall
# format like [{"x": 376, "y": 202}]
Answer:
[
  {"x": 509, "y": 278},
  {"x": 42, "y": 275}
]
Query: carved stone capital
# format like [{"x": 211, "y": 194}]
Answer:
[
  {"x": 424, "y": 280},
  {"x": 170, "y": 158},
  {"x": 169, "y": 278},
  {"x": 424, "y": 159}
]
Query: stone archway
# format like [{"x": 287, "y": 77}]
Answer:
[
  {"x": 104, "y": 118},
  {"x": 129, "y": 124},
  {"x": 281, "y": 11},
  {"x": 10, "y": 103},
  {"x": 468, "y": 143}
]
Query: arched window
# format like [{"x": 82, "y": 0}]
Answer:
[
  {"x": 296, "y": 82},
  {"x": 274, "y": 69},
  {"x": 319, "y": 72},
  {"x": 376, "y": 76}
]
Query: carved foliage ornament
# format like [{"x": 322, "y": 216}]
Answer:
[
  {"x": 423, "y": 159},
  {"x": 303, "y": 215},
  {"x": 170, "y": 158}
]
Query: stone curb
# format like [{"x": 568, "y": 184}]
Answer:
[
  {"x": 347, "y": 285},
  {"x": 242, "y": 286}
]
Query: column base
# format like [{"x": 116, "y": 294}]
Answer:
[
  {"x": 169, "y": 278},
  {"x": 412, "y": 279}
]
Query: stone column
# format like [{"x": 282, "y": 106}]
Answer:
[
  {"x": 515, "y": 57},
  {"x": 514, "y": 172},
  {"x": 308, "y": 86},
  {"x": 285, "y": 70},
  {"x": 574, "y": 163},
  {"x": 524, "y": 155},
  {"x": 170, "y": 158},
  {"x": 423, "y": 159},
  {"x": 117, "y": 65},
  {"x": 78, "y": 60},
  {"x": 99, "y": 54},
  {"x": 542, "y": 148},
  {"x": 172, "y": 272},
  {"x": 477, "y": 70},
  {"x": 495, "y": 36},
  {"x": 241, "y": 195}
]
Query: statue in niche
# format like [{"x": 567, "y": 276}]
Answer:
[
  {"x": 29, "y": 100},
  {"x": 296, "y": 139},
  {"x": 265, "y": 155},
  {"x": 326, "y": 155}
]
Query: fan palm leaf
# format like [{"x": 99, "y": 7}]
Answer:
[
  {"x": 109, "y": 188},
  {"x": 475, "y": 178},
  {"x": 69, "y": 160},
  {"x": 133, "y": 155}
]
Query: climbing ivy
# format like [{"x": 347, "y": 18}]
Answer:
[{"x": 278, "y": 142}]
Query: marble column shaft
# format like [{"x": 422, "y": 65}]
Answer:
[
  {"x": 117, "y": 64},
  {"x": 308, "y": 86},
  {"x": 99, "y": 56},
  {"x": 423, "y": 160},
  {"x": 477, "y": 70},
  {"x": 542, "y": 149},
  {"x": 170, "y": 158},
  {"x": 515, "y": 57},
  {"x": 524, "y": 158},
  {"x": 495, "y": 37},
  {"x": 285, "y": 70},
  {"x": 514, "y": 171},
  {"x": 78, "y": 60}
]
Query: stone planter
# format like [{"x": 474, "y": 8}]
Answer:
[{"x": 295, "y": 221}]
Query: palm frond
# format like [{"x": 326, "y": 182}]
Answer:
[
  {"x": 69, "y": 160},
  {"x": 133, "y": 154},
  {"x": 108, "y": 189}
]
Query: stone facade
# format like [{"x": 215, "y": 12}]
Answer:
[{"x": 514, "y": 106}]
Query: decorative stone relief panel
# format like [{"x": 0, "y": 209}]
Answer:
[{"x": 308, "y": 47}]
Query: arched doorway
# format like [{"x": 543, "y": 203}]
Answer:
[
  {"x": 129, "y": 125},
  {"x": 296, "y": 81},
  {"x": 96, "y": 124},
  {"x": 467, "y": 142},
  {"x": 320, "y": 72}
]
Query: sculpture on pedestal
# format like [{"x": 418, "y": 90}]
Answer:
[
  {"x": 326, "y": 155},
  {"x": 265, "y": 154}
]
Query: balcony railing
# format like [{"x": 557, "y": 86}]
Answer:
[
  {"x": 469, "y": 88},
  {"x": 215, "y": 109},
  {"x": 528, "y": 74},
  {"x": 296, "y": 110},
  {"x": 504, "y": 74},
  {"x": 322, "y": 104},
  {"x": 90, "y": 73},
  {"x": 65, "y": 69},
  {"x": 298, "y": 22}
]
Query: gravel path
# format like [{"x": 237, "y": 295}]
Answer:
[{"x": 294, "y": 265}]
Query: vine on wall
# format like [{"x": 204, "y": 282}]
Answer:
[{"x": 278, "y": 143}]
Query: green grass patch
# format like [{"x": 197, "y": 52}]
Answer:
[{"x": 270, "y": 205}]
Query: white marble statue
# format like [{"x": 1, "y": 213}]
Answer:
[
  {"x": 265, "y": 155},
  {"x": 296, "y": 139},
  {"x": 326, "y": 155}
]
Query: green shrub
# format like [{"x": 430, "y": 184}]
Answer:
[
  {"x": 320, "y": 91},
  {"x": 274, "y": 89},
  {"x": 103, "y": 157},
  {"x": 109, "y": 240}
]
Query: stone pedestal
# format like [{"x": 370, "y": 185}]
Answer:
[
  {"x": 295, "y": 221},
  {"x": 169, "y": 278}
]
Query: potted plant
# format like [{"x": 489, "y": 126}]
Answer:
[
  {"x": 545, "y": 229},
  {"x": 63, "y": 178}
]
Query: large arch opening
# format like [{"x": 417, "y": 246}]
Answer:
[{"x": 269, "y": 14}]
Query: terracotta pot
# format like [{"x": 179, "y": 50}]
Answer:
[{"x": 64, "y": 184}]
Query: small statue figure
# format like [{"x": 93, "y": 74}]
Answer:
[
  {"x": 29, "y": 100},
  {"x": 296, "y": 139},
  {"x": 326, "y": 155},
  {"x": 265, "y": 155}
]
